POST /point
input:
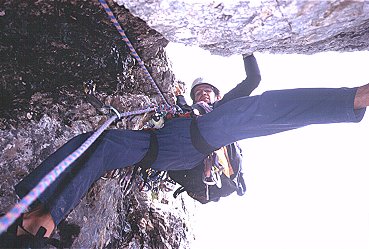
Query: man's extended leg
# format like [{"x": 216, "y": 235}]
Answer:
[
  {"x": 114, "y": 149},
  {"x": 278, "y": 111}
]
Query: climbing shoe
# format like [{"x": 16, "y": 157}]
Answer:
[{"x": 9, "y": 239}]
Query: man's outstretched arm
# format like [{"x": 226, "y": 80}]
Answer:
[{"x": 249, "y": 84}]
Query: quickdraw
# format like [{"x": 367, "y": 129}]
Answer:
[{"x": 90, "y": 89}]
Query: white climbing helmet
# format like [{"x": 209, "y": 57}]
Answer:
[{"x": 200, "y": 81}]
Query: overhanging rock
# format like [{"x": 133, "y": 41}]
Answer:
[{"x": 240, "y": 27}]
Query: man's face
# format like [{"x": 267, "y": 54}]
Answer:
[{"x": 204, "y": 93}]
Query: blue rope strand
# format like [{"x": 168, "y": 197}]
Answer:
[{"x": 132, "y": 50}]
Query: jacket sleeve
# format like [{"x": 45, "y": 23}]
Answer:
[
  {"x": 249, "y": 84},
  {"x": 181, "y": 102}
]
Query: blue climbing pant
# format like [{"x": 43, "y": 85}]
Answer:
[{"x": 269, "y": 113}]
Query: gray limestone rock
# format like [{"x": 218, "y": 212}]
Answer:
[
  {"x": 241, "y": 27},
  {"x": 48, "y": 51}
]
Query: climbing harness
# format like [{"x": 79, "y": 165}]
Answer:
[{"x": 154, "y": 180}]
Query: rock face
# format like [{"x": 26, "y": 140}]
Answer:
[
  {"x": 240, "y": 27},
  {"x": 48, "y": 49}
]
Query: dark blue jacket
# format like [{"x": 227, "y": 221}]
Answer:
[{"x": 243, "y": 89}]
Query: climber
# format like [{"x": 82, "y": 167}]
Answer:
[
  {"x": 228, "y": 159},
  {"x": 205, "y": 96},
  {"x": 178, "y": 148}
]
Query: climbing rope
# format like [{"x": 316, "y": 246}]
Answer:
[
  {"x": 27, "y": 200},
  {"x": 132, "y": 49}
]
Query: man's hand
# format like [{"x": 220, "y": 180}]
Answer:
[
  {"x": 179, "y": 88},
  {"x": 246, "y": 55}
]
